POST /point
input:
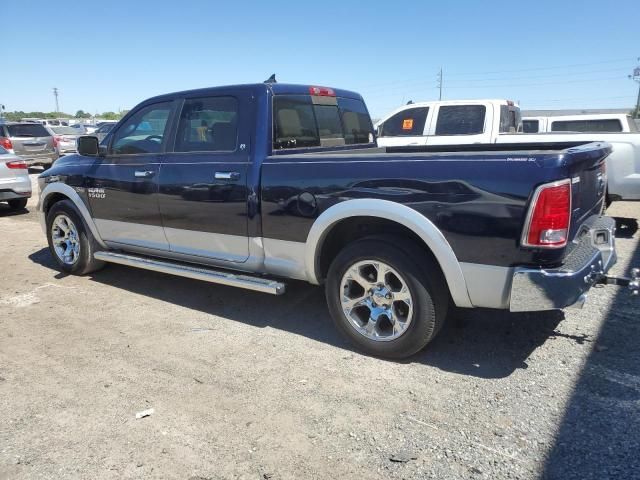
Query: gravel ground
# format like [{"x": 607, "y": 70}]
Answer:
[{"x": 250, "y": 386}]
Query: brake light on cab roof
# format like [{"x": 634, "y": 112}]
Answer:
[{"x": 322, "y": 92}]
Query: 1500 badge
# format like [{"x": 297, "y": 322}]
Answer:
[{"x": 96, "y": 192}]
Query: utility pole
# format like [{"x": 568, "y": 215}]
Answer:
[
  {"x": 636, "y": 76},
  {"x": 440, "y": 83},
  {"x": 55, "y": 94}
]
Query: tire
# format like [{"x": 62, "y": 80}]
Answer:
[
  {"x": 18, "y": 203},
  {"x": 412, "y": 324},
  {"x": 72, "y": 251}
]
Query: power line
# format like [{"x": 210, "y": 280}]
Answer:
[
  {"x": 476, "y": 74},
  {"x": 554, "y": 67}
]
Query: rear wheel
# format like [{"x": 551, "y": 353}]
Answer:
[
  {"x": 70, "y": 242},
  {"x": 387, "y": 296},
  {"x": 18, "y": 203}
]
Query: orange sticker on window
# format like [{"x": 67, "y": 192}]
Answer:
[{"x": 407, "y": 124}]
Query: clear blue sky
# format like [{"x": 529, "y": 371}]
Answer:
[{"x": 110, "y": 55}]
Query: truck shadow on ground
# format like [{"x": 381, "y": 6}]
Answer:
[
  {"x": 599, "y": 436},
  {"x": 480, "y": 343},
  {"x": 5, "y": 211}
]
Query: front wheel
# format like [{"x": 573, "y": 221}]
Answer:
[
  {"x": 70, "y": 242},
  {"x": 387, "y": 296}
]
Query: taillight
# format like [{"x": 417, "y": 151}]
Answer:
[
  {"x": 549, "y": 216},
  {"x": 56, "y": 141},
  {"x": 17, "y": 164},
  {"x": 6, "y": 143},
  {"x": 322, "y": 92}
]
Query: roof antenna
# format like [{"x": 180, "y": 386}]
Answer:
[
  {"x": 271, "y": 79},
  {"x": 410, "y": 102}
]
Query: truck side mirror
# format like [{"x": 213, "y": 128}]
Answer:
[{"x": 88, "y": 146}]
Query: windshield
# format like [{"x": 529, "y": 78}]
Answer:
[{"x": 28, "y": 130}]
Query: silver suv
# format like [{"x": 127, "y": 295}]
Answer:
[
  {"x": 32, "y": 142},
  {"x": 15, "y": 185}
]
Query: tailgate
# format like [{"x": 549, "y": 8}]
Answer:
[{"x": 587, "y": 170}]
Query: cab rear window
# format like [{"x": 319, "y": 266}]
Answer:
[
  {"x": 298, "y": 122},
  {"x": 27, "y": 130}
]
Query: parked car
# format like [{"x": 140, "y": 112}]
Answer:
[
  {"x": 89, "y": 129},
  {"x": 250, "y": 185},
  {"x": 30, "y": 141},
  {"x": 65, "y": 138},
  {"x": 498, "y": 121},
  {"x": 15, "y": 184},
  {"x": 57, "y": 122},
  {"x": 79, "y": 128},
  {"x": 106, "y": 122},
  {"x": 584, "y": 123},
  {"x": 103, "y": 130}
]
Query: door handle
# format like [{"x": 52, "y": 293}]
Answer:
[
  {"x": 227, "y": 175},
  {"x": 143, "y": 173}
]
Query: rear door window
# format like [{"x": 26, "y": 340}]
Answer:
[
  {"x": 530, "y": 126},
  {"x": 460, "y": 120},
  {"x": 208, "y": 124},
  {"x": 604, "y": 125},
  {"x": 28, "y": 130},
  {"x": 407, "y": 123}
]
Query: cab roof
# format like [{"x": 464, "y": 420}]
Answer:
[{"x": 273, "y": 88}]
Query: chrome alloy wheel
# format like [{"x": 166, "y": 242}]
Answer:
[
  {"x": 376, "y": 300},
  {"x": 65, "y": 239}
]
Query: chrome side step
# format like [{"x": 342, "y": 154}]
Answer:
[{"x": 222, "y": 277}]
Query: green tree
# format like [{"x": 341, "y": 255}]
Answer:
[
  {"x": 82, "y": 114},
  {"x": 110, "y": 116}
]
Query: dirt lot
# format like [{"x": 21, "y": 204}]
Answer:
[{"x": 245, "y": 385}]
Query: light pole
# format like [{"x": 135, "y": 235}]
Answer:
[
  {"x": 636, "y": 76},
  {"x": 55, "y": 94}
]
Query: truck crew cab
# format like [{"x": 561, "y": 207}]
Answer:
[{"x": 251, "y": 185}]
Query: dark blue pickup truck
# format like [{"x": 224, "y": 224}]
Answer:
[{"x": 251, "y": 185}]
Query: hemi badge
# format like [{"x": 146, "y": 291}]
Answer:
[{"x": 575, "y": 180}]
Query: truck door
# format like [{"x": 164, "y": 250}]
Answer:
[
  {"x": 203, "y": 180},
  {"x": 406, "y": 127},
  {"x": 460, "y": 125},
  {"x": 123, "y": 186}
]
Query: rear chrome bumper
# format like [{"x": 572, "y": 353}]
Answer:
[{"x": 593, "y": 254}]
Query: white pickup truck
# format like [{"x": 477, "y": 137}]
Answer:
[
  {"x": 584, "y": 123},
  {"x": 499, "y": 121}
]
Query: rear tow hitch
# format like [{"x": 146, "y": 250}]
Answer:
[{"x": 632, "y": 283}]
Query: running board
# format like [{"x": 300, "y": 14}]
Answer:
[{"x": 222, "y": 277}]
